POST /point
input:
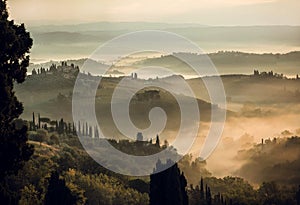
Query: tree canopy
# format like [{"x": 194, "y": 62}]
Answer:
[{"x": 15, "y": 43}]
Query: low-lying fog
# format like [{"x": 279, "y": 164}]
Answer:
[{"x": 242, "y": 133}]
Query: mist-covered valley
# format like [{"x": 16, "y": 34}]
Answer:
[{"x": 263, "y": 106}]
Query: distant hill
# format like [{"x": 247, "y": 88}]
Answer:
[
  {"x": 231, "y": 62},
  {"x": 225, "y": 63},
  {"x": 51, "y": 94},
  {"x": 110, "y": 26},
  {"x": 69, "y": 41},
  {"x": 64, "y": 37},
  {"x": 249, "y": 89},
  {"x": 40, "y": 92}
]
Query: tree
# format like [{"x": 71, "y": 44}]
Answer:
[
  {"x": 194, "y": 195},
  {"x": 208, "y": 195},
  {"x": 61, "y": 127},
  {"x": 157, "y": 143},
  {"x": 33, "y": 72},
  {"x": 183, "y": 185},
  {"x": 86, "y": 129},
  {"x": 168, "y": 187},
  {"x": 269, "y": 193},
  {"x": 42, "y": 136},
  {"x": 39, "y": 121},
  {"x": 54, "y": 139},
  {"x": 139, "y": 136},
  {"x": 57, "y": 192},
  {"x": 29, "y": 195},
  {"x": 298, "y": 196},
  {"x": 33, "y": 122},
  {"x": 201, "y": 190},
  {"x": 15, "y": 43}
]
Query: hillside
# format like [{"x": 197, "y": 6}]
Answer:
[
  {"x": 230, "y": 62},
  {"x": 51, "y": 95},
  {"x": 225, "y": 62},
  {"x": 52, "y": 41}
]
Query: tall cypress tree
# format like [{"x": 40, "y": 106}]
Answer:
[
  {"x": 208, "y": 196},
  {"x": 157, "y": 143},
  {"x": 168, "y": 187},
  {"x": 201, "y": 190},
  {"x": 298, "y": 196},
  {"x": 15, "y": 43},
  {"x": 58, "y": 193},
  {"x": 33, "y": 122},
  {"x": 39, "y": 121}
]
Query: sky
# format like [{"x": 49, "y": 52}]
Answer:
[{"x": 206, "y": 12}]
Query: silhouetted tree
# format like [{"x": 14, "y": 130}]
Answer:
[
  {"x": 86, "y": 129},
  {"x": 157, "y": 143},
  {"x": 53, "y": 68},
  {"x": 33, "y": 122},
  {"x": 298, "y": 196},
  {"x": 201, "y": 190},
  {"x": 79, "y": 128},
  {"x": 56, "y": 126},
  {"x": 39, "y": 121},
  {"x": 15, "y": 43},
  {"x": 194, "y": 195},
  {"x": 183, "y": 185},
  {"x": 33, "y": 72},
  {"x": 69, "y": 128},
  {"x": 73, "y": 129},
  {"x": 61, "y": 127},
  {"x": 57, "y": 192},
  {"x": 168, "y": 187},
  {"x": 207, "y": 195},
  {"x": 90, "y": 131}
]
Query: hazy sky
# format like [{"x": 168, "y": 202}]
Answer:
[{"x": 208, "y": 12}]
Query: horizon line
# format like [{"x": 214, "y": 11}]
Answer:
[{"x": 39, "y": 23}]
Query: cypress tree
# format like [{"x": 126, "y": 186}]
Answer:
[
  {"x": 91, "y": 131},
  {"x": 157, "y": 143},
  {"x": 298, "y": 196},
  {"x": 39, "y": 121},
  {"x": 33, "y": 122},
  {"x": 168, "y": 187},
  {"x": 15, "y": 43},
  {"x": 201, "y": 190},
  {"x": 58, "y": 193},
  {"x": 79, "y": 128},
  {"x": 208, "y": 198},
  {"x": 86, "y": 129}
]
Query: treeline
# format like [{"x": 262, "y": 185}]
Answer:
[
  {"x": 276, "y": 159},
  {"x": 62, "y": 127},
  {"x": 67, "y": 159},
  {"x": 63, "y": 173},
  {"x": 269, "y": 74},
  {"x": 237, "y": 191},
  {"x": 53, "y": 69}
]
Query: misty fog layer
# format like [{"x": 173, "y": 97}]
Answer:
[{"x": 257, "y": 108}]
